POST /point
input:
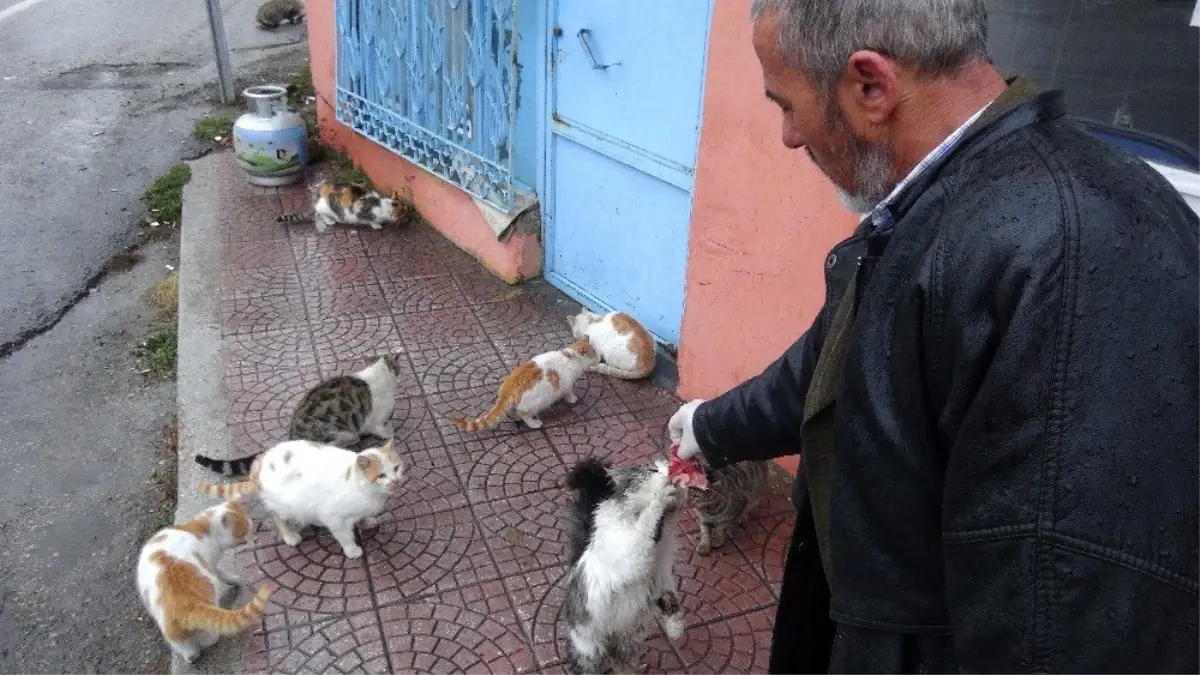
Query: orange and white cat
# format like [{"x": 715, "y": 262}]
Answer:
[
  {"x": 181, "y": 586},
  {"x": 305, "y": 483},
  {"x": 532, "y": 387},
  {"x": 625, "y": 347}
]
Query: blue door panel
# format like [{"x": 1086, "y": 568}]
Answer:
[{"x": 626, "y": 237}]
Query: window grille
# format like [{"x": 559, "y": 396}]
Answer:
[{"x": 435, "y": 82}]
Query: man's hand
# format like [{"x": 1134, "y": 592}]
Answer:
[{"x": 680, "y": 429}]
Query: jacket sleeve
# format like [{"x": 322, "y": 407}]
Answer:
[{"x": 760, "y": 418}]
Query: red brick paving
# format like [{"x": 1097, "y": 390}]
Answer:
[{"x": 465, "y": 571}]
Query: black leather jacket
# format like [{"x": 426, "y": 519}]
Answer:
[{"x": 1018, "y": 425}]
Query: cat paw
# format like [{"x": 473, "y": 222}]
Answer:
[
  {"x": 291, "y": 538},
  {"x": 532, "y": 422},
  {"x": 376, "y": 226},
  {"x": 571, "y": 398},
  {"x": 353, "y": 552},
  {"x": 703, "y": 548},
  {"x": 369, "y": 523},
  {"x": 673, "y": 626}
]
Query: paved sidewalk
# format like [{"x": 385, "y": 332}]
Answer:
[{"x": 465, "y": 571}]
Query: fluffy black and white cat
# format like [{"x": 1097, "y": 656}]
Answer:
[{"x": 624, "y": 529}]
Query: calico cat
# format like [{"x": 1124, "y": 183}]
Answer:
[
  {"x": 625, "y": 347},
  {"x": 355, "y": 205},
  {"x": 274, "y": 12},
  {"x": 338, "y": 411},
  {"x": 623, "y": 535},
  {"x": 181, "y": 585},
  {"x": 303, "y": 483},
  {"x": 532, "y": 387},
  {"x": 730, "y": 494}
]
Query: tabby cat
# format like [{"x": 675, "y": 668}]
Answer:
[
  {"x": 274, "y": 12},
  {"x": 730, "y": 494},
  {"x": 180, "y": 583},
  {"x": 355, "y": 205},
  {"x": 532, "y": 387},
  {"x": 338, "y": 411}
]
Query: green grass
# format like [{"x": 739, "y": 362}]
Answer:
[
  {"x": 345, "y": 171},
  {"x": 302, "y": 81},
  {"x": 158, "y": 352},
  {"x": 164, "y": 199},
  {"x": 209, "y": 127}
]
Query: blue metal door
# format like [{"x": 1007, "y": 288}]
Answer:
[{"x": 626, "y": 80}]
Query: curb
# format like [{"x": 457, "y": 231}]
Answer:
[{"x": 201, "y": 399}]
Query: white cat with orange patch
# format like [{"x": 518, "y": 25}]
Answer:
[
  {"x": 532, "y": 387},
  {"x": 304, "y": 483},
  {"x": 181, "y": 586},
  {"x": 625, "y": 347}
]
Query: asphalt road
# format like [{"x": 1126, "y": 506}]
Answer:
[{"x": 97, "y": 97}]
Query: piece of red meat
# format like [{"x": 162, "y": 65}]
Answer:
[{"x": 686, "y": 472}]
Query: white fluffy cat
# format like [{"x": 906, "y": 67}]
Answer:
[
  {"x": 624, "y": 345},
  {"x": 181, "y": 585},
  {"x": 623, "y": 544},
  {"x": 304, "y": 483},
  {"x": 532, "y": 387}
]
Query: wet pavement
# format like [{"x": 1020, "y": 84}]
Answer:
[{"x": 465, "y": 571}]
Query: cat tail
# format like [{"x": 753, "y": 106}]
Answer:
[
  {"x": 620, "y": 373},
  {"x": 293, "y": 218},
  {"x": 229, "y": 621},
  {"x": 233, "y": 490},
  {"x": 489, "y": 420},
  {"x": 226, "y": 467}
]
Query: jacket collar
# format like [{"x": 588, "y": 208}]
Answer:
[{"x": 1019, "y": 106}]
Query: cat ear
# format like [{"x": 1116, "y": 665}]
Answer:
[
  {"x": 387, "y": 447},
  {"x": 362, "y": 462}
]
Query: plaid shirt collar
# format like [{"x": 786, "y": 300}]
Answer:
[{"x": 881, "y": 215}]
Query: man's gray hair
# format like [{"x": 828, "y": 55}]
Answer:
[{"x": 817, "y": 37}]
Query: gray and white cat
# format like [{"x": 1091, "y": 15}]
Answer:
[
  {"x": 338, "y": 411},
  {"x": 730, "y": 494},
  {"x": 274, "y": 12},
  {"x": 624, "y": 529}
]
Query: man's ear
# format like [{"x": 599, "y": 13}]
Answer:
[{"x": 868, "y": 92}]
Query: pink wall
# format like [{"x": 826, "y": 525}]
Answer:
[
  {"x": 763, "y": 220},
  {"x": 447, "y": 208}
]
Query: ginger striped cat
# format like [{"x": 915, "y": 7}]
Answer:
[
  {"x": 356, "y": 205},
  {"x": 304, "y": 483},
  {"x": 625, "y": 347},
  {"x": 181, "y": 586},
  {"x": 532, "y": 387}
]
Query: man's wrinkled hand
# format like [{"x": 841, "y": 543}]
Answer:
[{"x": 680, "y": 429}]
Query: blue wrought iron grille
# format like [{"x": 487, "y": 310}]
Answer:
[{"x": 435, "y": 82}]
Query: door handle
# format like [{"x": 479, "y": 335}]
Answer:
[{"x": 587, "y": 49}]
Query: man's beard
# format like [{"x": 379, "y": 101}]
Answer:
[{"x": 871, "y": 164}]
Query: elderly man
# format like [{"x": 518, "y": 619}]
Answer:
[{"x": 997, "y": 405}]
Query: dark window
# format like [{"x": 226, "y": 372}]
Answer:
[{"x": 1130, "y": 68}]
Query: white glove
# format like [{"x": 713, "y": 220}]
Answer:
[{"x": 680, "y": 429}]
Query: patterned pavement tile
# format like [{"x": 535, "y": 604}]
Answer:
[
  {"x": 264, "y": 313},
  {"x": 415, "y": 555},
  {"x": 467, "y": 630},
  {"x": 351, "y": 643},
  {"x": 738, "y": 644},
  {"x": 452, "y": 327},
  {"x": 413, "y": 262},
  {"x": 406, "y": 296},
  {"x": 457, "y": 367},
  {"x": 526, "y": 532},
  {"x": 506, "y": 467},
  {"x": 355, "y": 336},
  {"x": 366, "y": 298},
  {"x": 529, "y": 313},
  {"x": 333, "y": 246},
  {"x": 718, "y": 585},
  {"x": 269, "y": 351},
  {"x": 478, "y": 285},
  {"x": 323, "y": 275},
  {"x": 255, "y": 282},
  {"x": 469, "y": 403},
  {"x": 395, "y": 241},
  {"x": 267, "y": 396},
  {"x": 257, "y": 254},
  {"x": 620, "y": 439},
  {"x": 313, "y": 581},
  {"x": 764, "y": 541}
]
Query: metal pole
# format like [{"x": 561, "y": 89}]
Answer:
[{"x": 224, "y": 70}]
